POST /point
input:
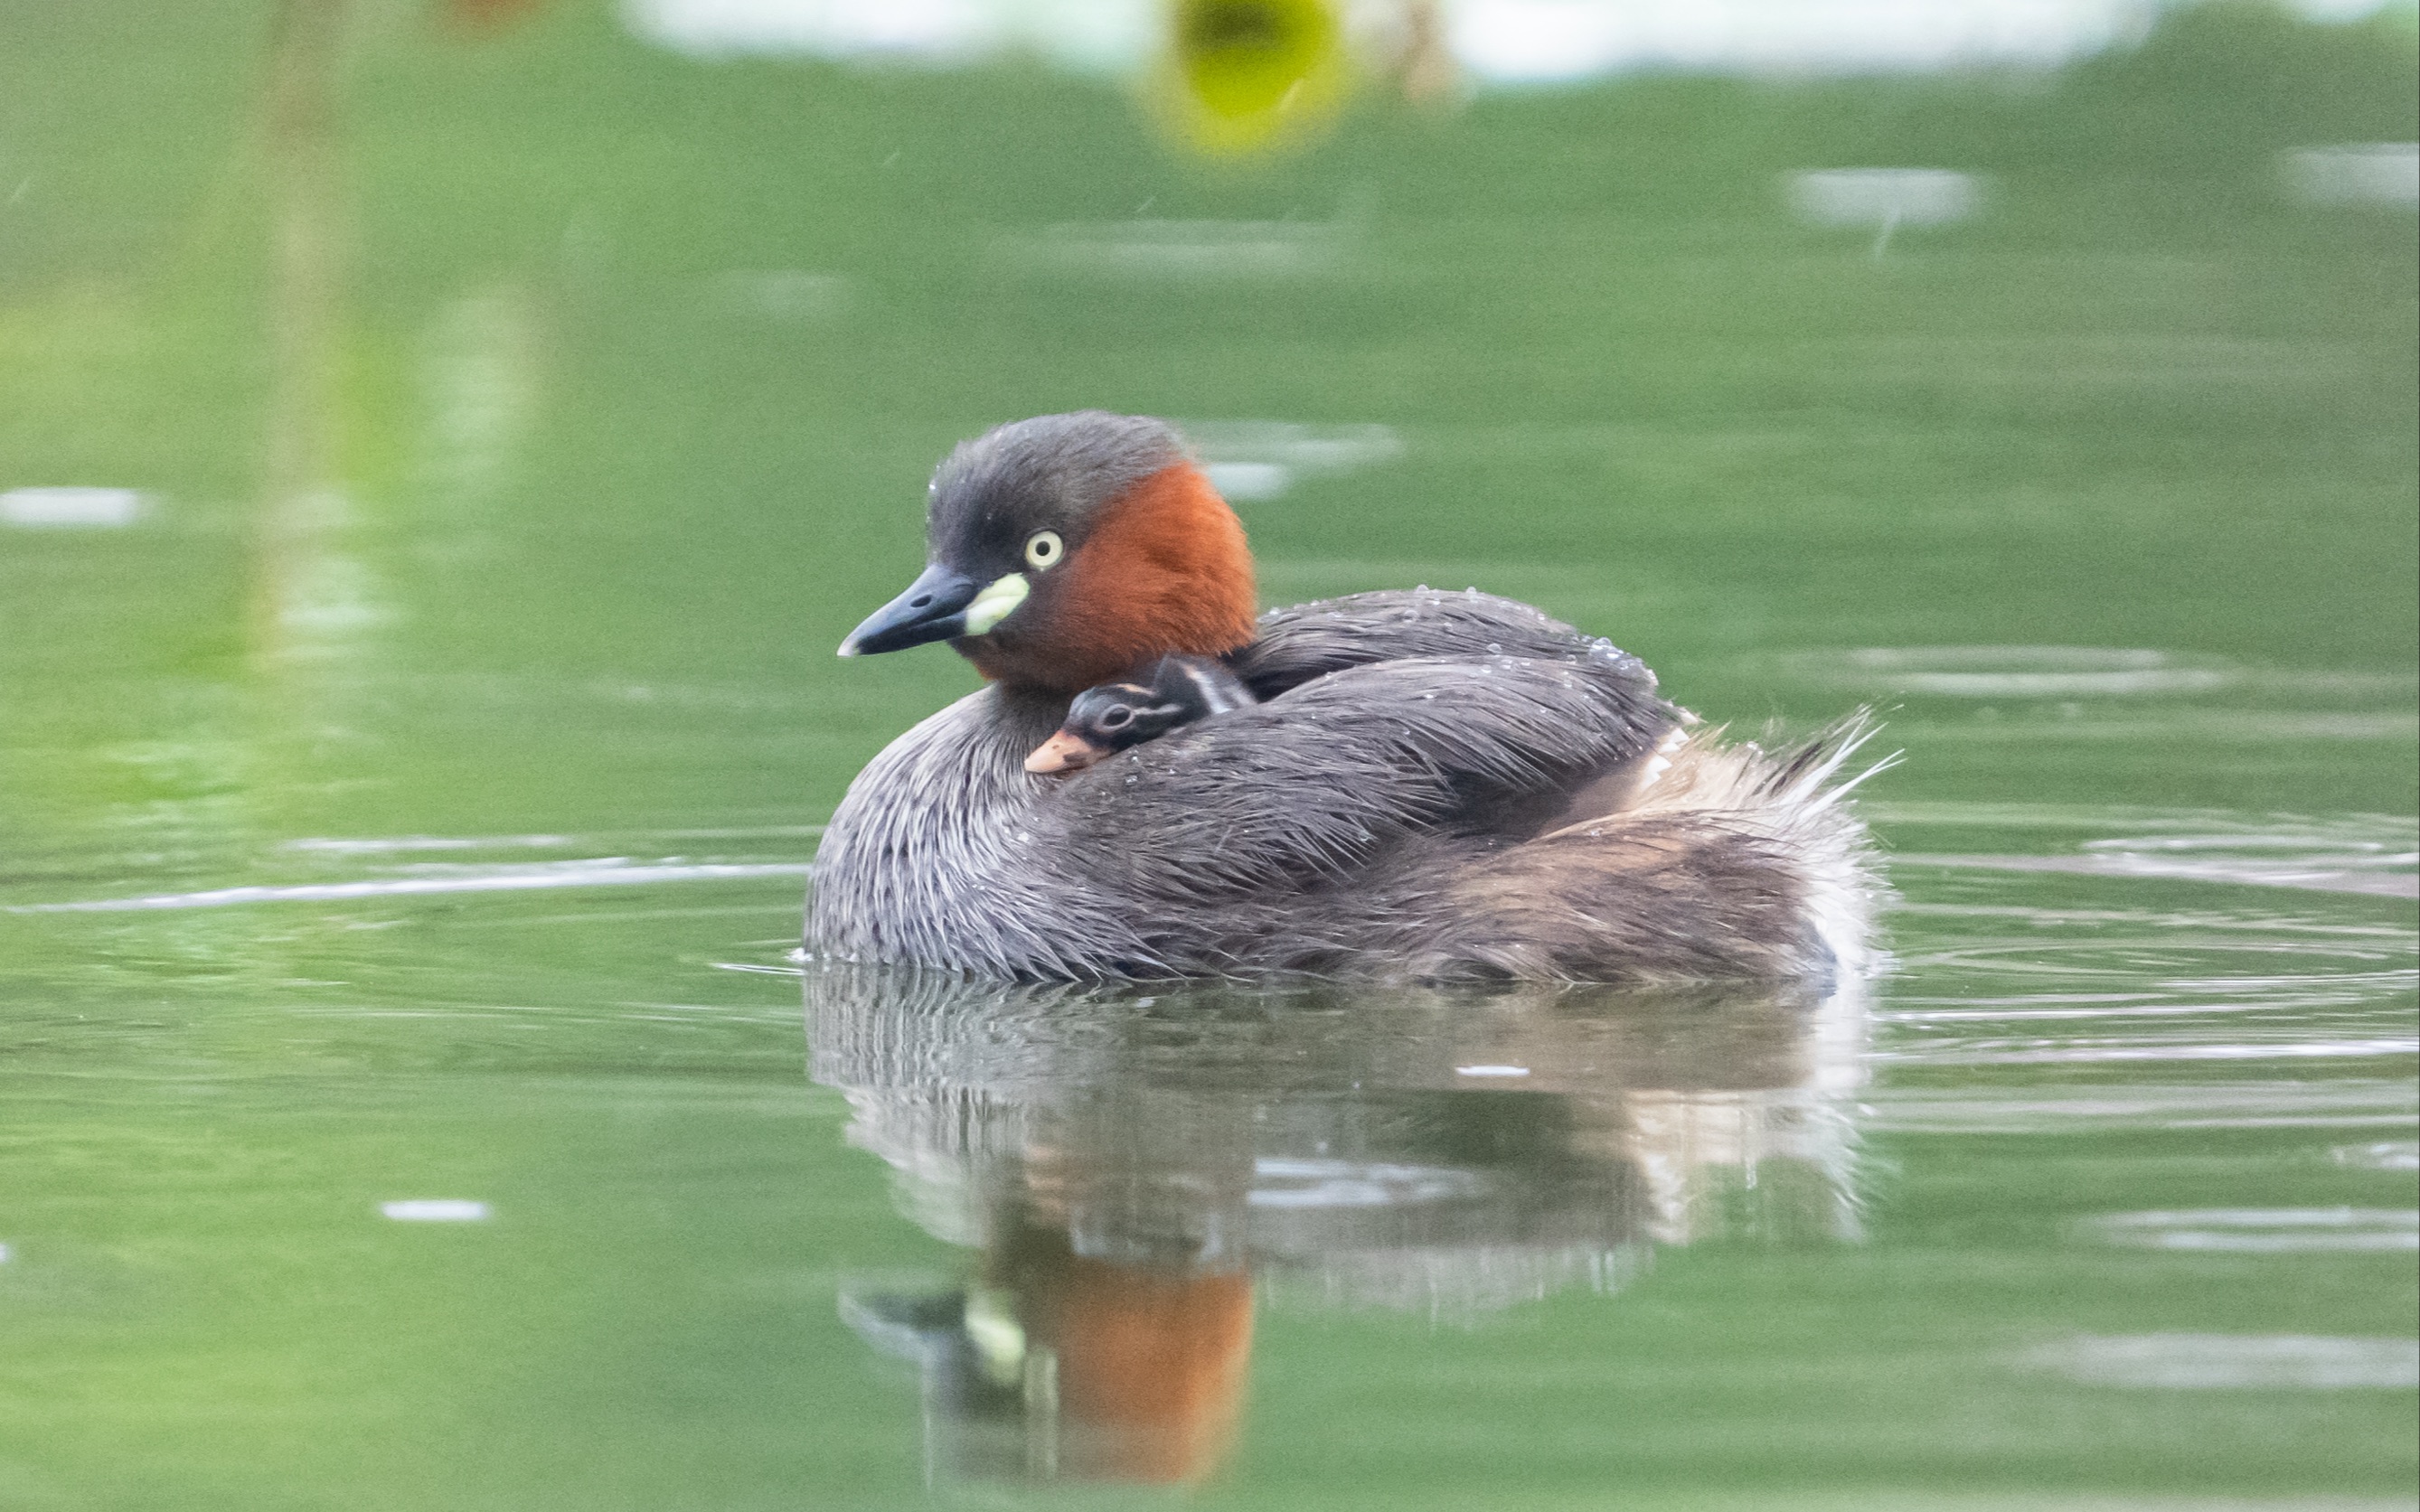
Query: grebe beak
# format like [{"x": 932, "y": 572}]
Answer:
[
  {"x": 1063, "y": 752},
  {"x": 933, "y": 607}
]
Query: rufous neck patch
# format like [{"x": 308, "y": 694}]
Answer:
[{"x": 1164, "y": 569}]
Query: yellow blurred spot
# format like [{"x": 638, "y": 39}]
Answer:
[{"x": 1250, "y": 75}]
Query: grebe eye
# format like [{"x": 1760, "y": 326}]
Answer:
[
  {"x": 1117, "y": 718},
  {"x": 1043, "y": 549}
]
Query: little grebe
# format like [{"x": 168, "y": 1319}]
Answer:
[{"x": 1434, "y": 785}]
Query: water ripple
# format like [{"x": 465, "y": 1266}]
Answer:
[
  {"x": 568, "y": 874},
  {"x": 2333, "y": 875},
  {"x": 2371, "y": 854},
  {"x": 2345, "y": 1103},
  {"x": 2260, "y": 1230},
  {"x": 2241, "y": 1360},
  {"x": 2385, "y": 1155},
  {"x": 1989, "y": 1052}
]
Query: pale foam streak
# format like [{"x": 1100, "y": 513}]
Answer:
[
  {"x": 2385, "y": 1155},
  {"x": 2322, "y": 878},
  {"x": 2173, "y": 1362},
  {"x": 385, "y": 844},
  {"x": 2260, "y": 1230},
  {"x": 755, "y": 969},
  {"x": 2093, "y": 1110},
  {"x": 429, "y": 842},
  {"x": 579, "y": 875},
  {"x": 1969, "y": 1055}
]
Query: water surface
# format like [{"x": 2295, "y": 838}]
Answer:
[{"x": 408, "y": 777}]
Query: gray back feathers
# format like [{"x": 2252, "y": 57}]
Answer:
[{"x": 1440, "y": 786}]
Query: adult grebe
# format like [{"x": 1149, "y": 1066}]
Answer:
[{"x": 1434, "y": 785}]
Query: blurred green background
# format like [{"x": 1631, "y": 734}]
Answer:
[
  {"x": 629, "y": 366},
  {"x": 503, "y": 417}
]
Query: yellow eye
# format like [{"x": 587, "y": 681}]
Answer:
[{"x": 1043, "y": 550}]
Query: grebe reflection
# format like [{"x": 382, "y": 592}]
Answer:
[{"x": 1139, "y": 1169}]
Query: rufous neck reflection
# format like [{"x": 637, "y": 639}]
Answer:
[{"x": 1137, "y": 1172}]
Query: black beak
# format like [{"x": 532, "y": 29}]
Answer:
[{"x": 933, "y": 607}]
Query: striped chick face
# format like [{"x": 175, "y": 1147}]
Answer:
[{"x": 1105, "y": 721}]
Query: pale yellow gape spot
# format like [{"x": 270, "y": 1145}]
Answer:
[
  {"x": 1001, "y": 598},
  {"x": 995, "y": 603}
]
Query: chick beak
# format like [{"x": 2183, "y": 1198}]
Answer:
[
  {"x": 933, "y": 607},
  {"x": 1063, "y": 752}
]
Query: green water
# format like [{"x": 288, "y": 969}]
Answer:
[{"x": 411, "y": 801}]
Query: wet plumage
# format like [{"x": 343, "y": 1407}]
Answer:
[{"x": 1436, "y": 785}]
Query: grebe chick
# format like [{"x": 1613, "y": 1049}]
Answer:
[{"x": 1115, "y": 717}]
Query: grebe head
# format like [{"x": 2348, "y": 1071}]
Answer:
[
  {"x": 1067, "y": 550},
  {"x": 1114, "y": 717},
  {"x": 1103, "y": 721}
]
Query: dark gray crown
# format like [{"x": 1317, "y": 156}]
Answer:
[{"x": 1051, "y": 471}]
